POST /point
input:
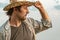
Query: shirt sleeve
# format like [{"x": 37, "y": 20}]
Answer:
[
  {"x": 0, "y": 36},
  {"x": 41, "y": 26},
  {"x": 1, "y": 33}
]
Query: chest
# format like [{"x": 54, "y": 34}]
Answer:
[{"x": 23, "y": 32}]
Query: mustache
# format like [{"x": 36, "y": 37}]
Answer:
[{"x": 26, "y": 13}]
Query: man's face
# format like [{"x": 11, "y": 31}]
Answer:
[{"x": 22, "y": 13}]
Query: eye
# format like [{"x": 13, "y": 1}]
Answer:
[{"x": 25, "y": 7}]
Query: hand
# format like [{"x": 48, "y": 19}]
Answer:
[{"x": 38, "y": 5}]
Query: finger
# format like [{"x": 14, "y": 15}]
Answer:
[{"x": 38, "y": 2}]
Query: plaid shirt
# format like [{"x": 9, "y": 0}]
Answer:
[{"x": 34, "y": 26}]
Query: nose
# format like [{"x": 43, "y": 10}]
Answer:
[{"x": 27, "y": 11}]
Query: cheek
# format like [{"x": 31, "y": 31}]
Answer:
[
  {"x": 23, "y": 10},
  {"x": 22, "y": 15}
]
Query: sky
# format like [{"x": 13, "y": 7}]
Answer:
[
  {"x": 4, "y": 1},
  {"x": 53, "y": 9}
]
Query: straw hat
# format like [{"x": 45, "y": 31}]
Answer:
[{"x": 14, "y": 3}]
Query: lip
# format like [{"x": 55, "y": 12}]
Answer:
[{"x": 26, "y": 15}]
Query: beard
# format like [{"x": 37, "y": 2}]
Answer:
[{"x": 21, "y": 18}]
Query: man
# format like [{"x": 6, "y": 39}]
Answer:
[{"x": 18, "y": 27}]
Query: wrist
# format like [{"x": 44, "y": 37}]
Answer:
[{"x": 41, "y": 8}]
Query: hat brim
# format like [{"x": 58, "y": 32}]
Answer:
[{"x": 12, "y": 5}]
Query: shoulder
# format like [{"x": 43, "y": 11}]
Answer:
[
  {"x": 2, "y": 26},
  {"x": 30, "y": 20}
]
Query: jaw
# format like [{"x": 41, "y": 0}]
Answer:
[{"x": 22, "y": 18}]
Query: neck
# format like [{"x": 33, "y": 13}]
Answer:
[{"x": 15, "y": 22}]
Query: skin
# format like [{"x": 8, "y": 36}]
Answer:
[
  {"x": 19, "y": 16},
  {"x": 43, "y": 13},
  {"x": 22, "y": 13}
]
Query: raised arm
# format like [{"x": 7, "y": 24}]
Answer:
[
  {"x": 43, "y": 13},
  {"x": 45, "y": 21}
]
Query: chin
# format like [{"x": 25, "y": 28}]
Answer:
[{"x": 23, "y": 18}]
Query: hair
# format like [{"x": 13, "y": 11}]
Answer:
[{"x": 10, "y": 11}]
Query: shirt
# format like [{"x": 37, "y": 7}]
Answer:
[
  {"x": 21, "y": 33},
  {"x": 33, "y": 25}
]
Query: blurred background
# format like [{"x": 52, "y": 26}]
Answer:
[{"x": 53, "y": 9}]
